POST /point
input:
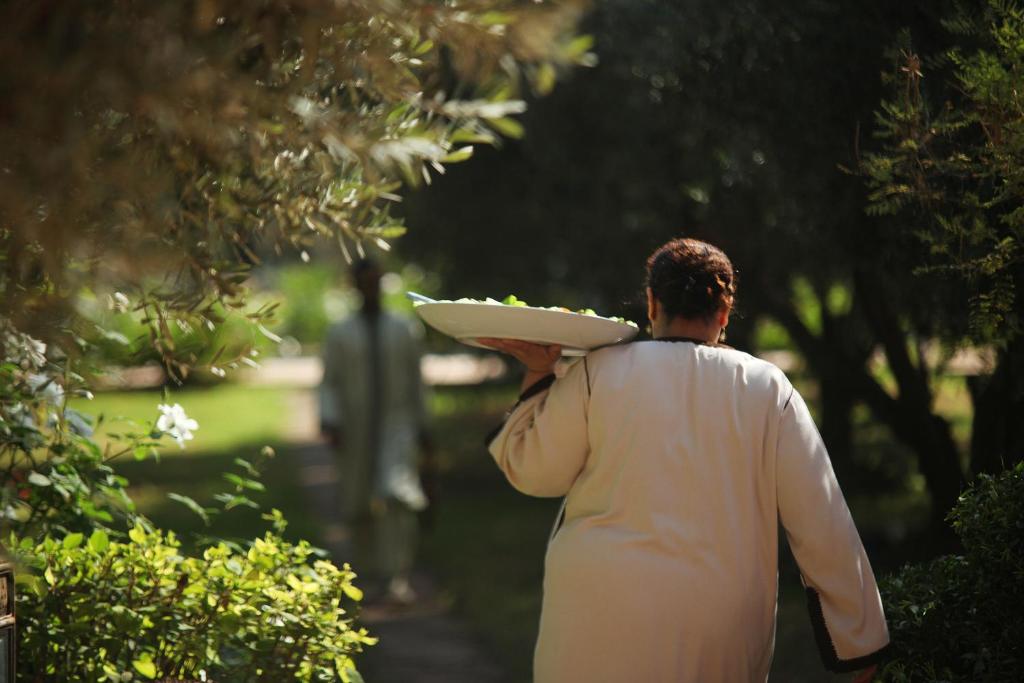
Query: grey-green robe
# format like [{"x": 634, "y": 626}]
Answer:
[{"x": 376, "y": 462}]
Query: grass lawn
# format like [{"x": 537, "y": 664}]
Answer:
[
  {"x": 235, "y": 421},
  {"x": 228, "y": 415},
  {"x": 200, "y": 476}
]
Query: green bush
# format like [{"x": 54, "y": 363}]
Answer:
[
  {"x": 94, "y": 609},
  {"x": 103, "y": 596},
  {"x": 959, "y": 618}
]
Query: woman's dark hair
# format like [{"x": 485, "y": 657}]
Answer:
[{"x": 691, "y": 279}]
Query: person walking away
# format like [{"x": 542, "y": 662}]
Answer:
[
  {"x": 372, "y": 414},
  {"x": 678, "y": 458}
]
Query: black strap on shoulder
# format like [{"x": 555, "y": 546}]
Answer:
[
  {"x": 540, "y": 385},
  {"x": 693, "y": 340}
]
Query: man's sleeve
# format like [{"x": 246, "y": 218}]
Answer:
[{"x": 845, "y": 606}]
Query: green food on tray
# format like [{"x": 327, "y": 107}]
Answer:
[{"x": 513, "y": 300}]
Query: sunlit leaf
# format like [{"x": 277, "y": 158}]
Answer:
[
  {"x": 496, "y": 18},
  {"x": 352, "y": 591},
  {"x": 191, "y": 505},
  {"x": 37, "y": 479},
  {"x": 578, "y": 47},
  {"x": 72, "y": 541},
  {"x": 544, "y": 81},
  {"x": 508, "y": 127},
  {"x": 98, "y": 541},
  {"x": 455, "y": 157},
  {"x": 145, "y": 666}
]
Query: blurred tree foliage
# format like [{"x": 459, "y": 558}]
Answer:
[
  {"x": 732, "y": 121},
  {"x": 949, "y": 169},
  {"x": 156, "y": 149},
  {"x": 151, "y": 151}
]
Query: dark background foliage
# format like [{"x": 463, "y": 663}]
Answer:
[
  {"x": 957, "y": 618},
  {"x": 744, "y": 123}
]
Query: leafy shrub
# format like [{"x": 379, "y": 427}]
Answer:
[
  {"x": 105, "y": 597},
  {"x": 958, "y": 618},
  {"x": 54, "y": 479},
  {"x": 95, "y": 609}
]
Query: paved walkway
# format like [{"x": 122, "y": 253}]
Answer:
[
  {"x": 425, "y": 643},
  {"x": 306, "y": 371}
]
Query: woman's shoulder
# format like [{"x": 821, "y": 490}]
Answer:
[
  {"x": 770, "y": 371},
  {"x": 726, "y": 358},
  {"x": 653, "y": 346},
  {"x": 745, "y": 358}
]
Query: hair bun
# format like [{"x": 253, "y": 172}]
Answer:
[{"x": 691, "y": 278}]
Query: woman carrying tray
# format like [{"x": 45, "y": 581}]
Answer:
[{"x": 678, "y": 458}]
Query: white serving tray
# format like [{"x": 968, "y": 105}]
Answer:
[{"x": 576, "y": 333}]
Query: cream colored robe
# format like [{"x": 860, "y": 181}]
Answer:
[{"x": 678, "y": 461}]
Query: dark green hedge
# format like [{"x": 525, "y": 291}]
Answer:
[{"x": 961, "y": 618}]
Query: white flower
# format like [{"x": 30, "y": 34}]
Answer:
[
  {"x": 21, "y": 349},
  {"x": 118, "y": 302},
  {"x": 175, "y": 422},
  {"x": 46, "y": 387},
  {"x": 20, "y": 415},
  {"x": 36, "y": 351}
]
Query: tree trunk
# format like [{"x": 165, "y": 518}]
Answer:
[
  {"x": 908, "y": 415},
  {"x": 837, "y": 403},
  {"x": 997, "y": 429},
  {"x": 830, "y": 356},
  {"x": 846, "y": 349}
]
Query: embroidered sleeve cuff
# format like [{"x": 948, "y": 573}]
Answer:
[
  {"x": 543, "y": 384},
  {"x": 827, "y": 649}
]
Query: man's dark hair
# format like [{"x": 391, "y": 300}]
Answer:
[{"x": 363, "y": 266}]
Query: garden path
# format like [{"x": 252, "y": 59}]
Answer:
[{"x": 425, "y": 643}]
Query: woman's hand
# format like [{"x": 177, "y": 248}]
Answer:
[
  {"x": 865, "y": 675},
  {"x": 538, "y": 358}
]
